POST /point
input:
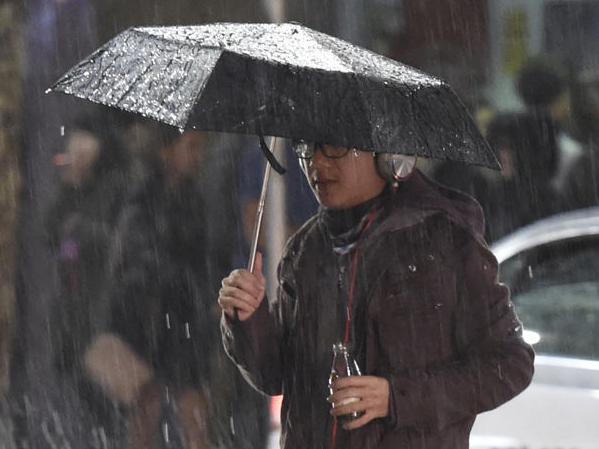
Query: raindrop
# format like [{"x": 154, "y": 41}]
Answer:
[
  {"x": 412, "y": 268},
  {"x": 62, "y": 131},
  {"x": 166, "y": 433},
  {"x": 530, "y": 275},
  {"x": 168, "y": 321},
  {"x": 187, "y": 333}
]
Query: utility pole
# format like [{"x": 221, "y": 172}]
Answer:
[{"x": 276, "y": 200}]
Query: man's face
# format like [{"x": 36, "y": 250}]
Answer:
[
  {"x": 82, "y": 151},
  {"x": 183, "y": 158},
  {"x": 344, "y": 182}
]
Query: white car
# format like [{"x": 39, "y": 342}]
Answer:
[{"x": 552, "y": 269}]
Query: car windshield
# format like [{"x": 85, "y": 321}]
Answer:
[{"x": 555, "y": 288}]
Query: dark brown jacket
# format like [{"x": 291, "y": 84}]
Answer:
[{"x": 430, "y": 317}]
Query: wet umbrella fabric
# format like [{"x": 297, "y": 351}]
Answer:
[{"x": 282, "y": 80}]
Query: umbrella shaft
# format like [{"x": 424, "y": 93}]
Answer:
[{"x": 260, "y": 211}]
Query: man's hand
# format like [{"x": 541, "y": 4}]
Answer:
[
  {"x": 372, "y": 392},
  {"x": 243, "y": 291},
  {"x": 113, "y": 365}
]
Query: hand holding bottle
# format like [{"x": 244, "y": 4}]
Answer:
[{"x": 372, "y": 392}]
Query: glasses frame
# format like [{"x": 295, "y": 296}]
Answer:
[{"x": 306, "y": 150}]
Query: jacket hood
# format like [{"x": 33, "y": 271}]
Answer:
[{"x": 419, "y": 197}]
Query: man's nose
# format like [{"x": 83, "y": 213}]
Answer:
[{"x": 319, "y": 159}]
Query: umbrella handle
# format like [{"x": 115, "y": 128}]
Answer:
[{"x": 260, "y": 212}]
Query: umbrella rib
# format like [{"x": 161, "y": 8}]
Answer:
[
  {"x": 132, "y": 84},
  {"x": 201, "y": 89},
  {"x": 164, "y": 39},
  {"x": 101, "y": 62}
]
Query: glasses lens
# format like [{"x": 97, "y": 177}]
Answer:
[
  {"x": 303, "y": 149},
  {"x": 306, "y": 150}
]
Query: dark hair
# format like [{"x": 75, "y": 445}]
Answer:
[
  {"x": 166, "y": 134},
  {"x": 159, "y": 136},
  {"x": 540, "y": 82},
  {"x": 105, "y": 128}
]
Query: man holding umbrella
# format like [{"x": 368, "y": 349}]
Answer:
[
  {"x": 395, "y": 266},
  {"x": 392, "y": 265}
]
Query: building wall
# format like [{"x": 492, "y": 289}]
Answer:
[
  {"x": 448, "y": 39},
  {"x": 10, "y": 100},
  {"x": 113, "y": 16}
]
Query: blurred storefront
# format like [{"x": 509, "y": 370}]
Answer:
[{"x": 10, "y": 115}]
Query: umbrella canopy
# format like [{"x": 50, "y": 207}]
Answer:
[{"x": 282, "y": 80}]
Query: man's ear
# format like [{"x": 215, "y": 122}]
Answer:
[{"x": 395, "y": 167}]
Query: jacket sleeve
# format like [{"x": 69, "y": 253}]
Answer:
[
  {"x": 494, "y": 364},
  {"x": 257, "y": 345}
]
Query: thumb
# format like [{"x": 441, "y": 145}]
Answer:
[{"x": 258, "y": 267}]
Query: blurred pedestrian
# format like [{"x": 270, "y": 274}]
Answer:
[
  {"x": 395, "y": 267},
  {"x": 160, "y": 356},
  {"x": 546, "y": 88},
  {"x": 80, "y": 225},
  {"x": 581, "y": 188},
  {"x": 522, "y": 192}
]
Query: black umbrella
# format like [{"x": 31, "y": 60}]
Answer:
[{"x": 280, "y": 80}]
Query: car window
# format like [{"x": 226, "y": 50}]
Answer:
[{"x": 555, "y": 288}]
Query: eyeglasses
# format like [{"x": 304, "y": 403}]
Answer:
[{"x": 306, "y": 150}]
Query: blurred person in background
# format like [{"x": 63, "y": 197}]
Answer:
[
  {"x": 79, "y": 226},
  {"x": 582, "y": 185},
  {"x": 161, "y": 355},
  {"x": 522, "y": 192},
  {"x": 546, "y": 89}
]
